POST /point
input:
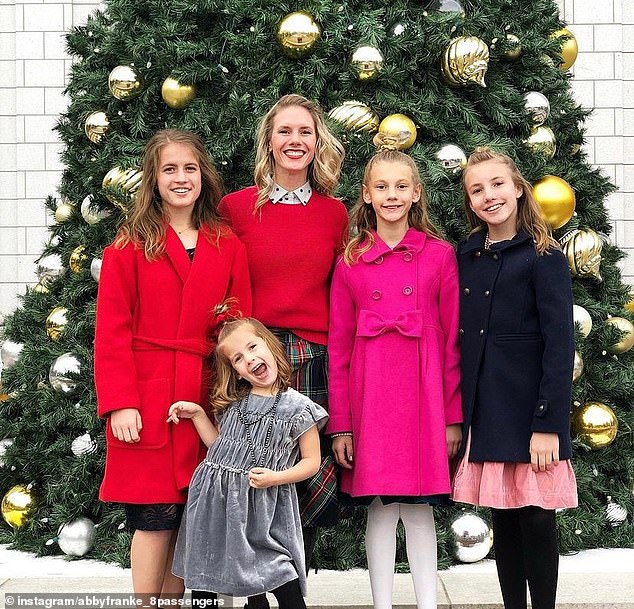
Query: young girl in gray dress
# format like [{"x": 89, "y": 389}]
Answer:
[{"x": 241, "y": 532}]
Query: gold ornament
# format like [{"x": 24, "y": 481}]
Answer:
[
  {"x": 465, "y": 60},
  {"x": 96, "y": 126},
  {"x": 583, "y": 251},
  {"x": 577, "y": 369},
  {"x": 77, "y": 257},
  {"x": 401, "y": 128},
  {"x": 538, "y": 106},
  {"x": 627, "y": 340},
  {"x": 125, "y": 83},
  {"x": 569, "y": 48},
  {"x": 355, "y": 116},
  {"x": 367, "y": 62},
  {"x": 582, "y": 317},
  {"x": 542, "y": 140},
  {"x": 594, "y": 424},
  {"x": 40, "y": 288},
  {"x": 515, "y": 47},
  {"x": 556, "y": 199},
  {"x": 177, "y": 95},
  {"x": 126, "y": 180},
  {"x": 56, "y": 322},
  {"x": 629, "y": 305},
  {"x": 64, "y": 212},
  {"x": 297, "y": 34},
  {"x": 452, "y": 158},
  {"x": 17, "y": 505}
]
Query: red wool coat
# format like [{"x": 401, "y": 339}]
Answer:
[
  {"x": 150, "y": 351},
  {"x": 394, "y": 365}
]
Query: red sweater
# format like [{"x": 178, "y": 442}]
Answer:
[{"x": 291, "y": 251}]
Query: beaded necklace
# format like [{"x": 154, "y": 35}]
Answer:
[{"x": 241, "y": 410}]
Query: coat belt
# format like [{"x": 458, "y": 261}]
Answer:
[
  {"x": 371, "y": 323},
  {"x": 194, "y": 346}
]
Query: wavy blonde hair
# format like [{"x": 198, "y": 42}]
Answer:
[
  {"x": 363, "y": 216},
  {"x": 229, "y": 387},
  {"x": 146, "y": 226},
  {"x": 324, "y": 169},
  {"x": 529, "y": 218}
]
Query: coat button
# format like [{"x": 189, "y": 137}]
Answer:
[
  {"x": 481, "y": 332},
  {"x": 461, "y": 332},
  {"x": 376, "y": 294},
  {"x": 466, "y": 291},
  {"x": 478, "y": 253},
  {"x": 540, "y": 408},
  {"x": 487, "y": 292},
  {"x": 407, "y": 290},
  {"x": 496, "y": 256},
  {"x": 379, "y": 260},
  {"x": 407, "y": 256}
]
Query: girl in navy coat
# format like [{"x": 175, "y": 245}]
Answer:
[{"x": 517, "y": 340}]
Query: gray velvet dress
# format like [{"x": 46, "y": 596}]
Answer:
[{"x": 235, "y": 539}]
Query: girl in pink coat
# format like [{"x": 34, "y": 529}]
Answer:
[{"x": 394, "y": 377}]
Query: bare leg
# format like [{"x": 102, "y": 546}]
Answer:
[
  {"x": 172, "y": 584},
  {"x": 151, "y": 557}
]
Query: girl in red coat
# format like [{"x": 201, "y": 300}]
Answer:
[
  {"x": 170, "y": 264},
  {"x": 394, "y": 371}
]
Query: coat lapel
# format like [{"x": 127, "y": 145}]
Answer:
[{"x": 177, "y": 255}]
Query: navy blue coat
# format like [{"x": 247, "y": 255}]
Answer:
[{"x": 517, "y": 345}]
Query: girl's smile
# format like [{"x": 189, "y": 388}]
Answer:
[{"x": 179, "y": 178}]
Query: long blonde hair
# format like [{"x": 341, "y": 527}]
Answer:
[
  {"x": 325, "y": 168},
  {"x": 363, "y": 216},
  {"x": 529, "y": 218},
  {"x": 229, "y": 387},
  {"x": 146, "y": 226}
]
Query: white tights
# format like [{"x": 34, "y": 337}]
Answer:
[{"x": 380, "y": 545}]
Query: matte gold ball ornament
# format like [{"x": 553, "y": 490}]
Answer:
[
  {"x": 18, "y": 505},
  {"x": 77, "y": 258},
  {"x": 298, "y": 34},
  {"x": 577, "y": 369},
  {"x": 401, "y": 128},
  {"x": 465, "y": 60},
  {"x": 367, "y": 62},
  {"x": 627, "y": 340},
  {"x": 96, "y": 126},
  {"x": 177, "y": 95},
  {"x": 569, "y": 48},
  {"x": 582, "y": 318},
  {"x": 542, "y": 141},
  {"x": 514, "y": 47},
  {"x": 125, "y": 83},
  {"x": 556, "y": 199},
  {"x": 594, "y": 424},
  {"x": 56, "y": 323},
  {"x": 64, "y": 212},
  {"x": 582, "y": 249},
  {"x": 355, "y": 116}
]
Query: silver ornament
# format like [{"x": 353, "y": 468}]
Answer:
[
  {"x": 49, "y": 268},
  {"x": 452, "y": 158},
  {"x": 91, "y": 213},
  {"x": 538, "y": 106},
  {"x": 95, "y": 269},
  {"x": 615, "y": 513},
  {"x": 83, "y": 445},
  {"x": 77, "y": 537},
  {"x": 58, "y": 375},
  {"x": 472, "y": 537},
  {"x": 5, "y": 445},
  {"x": 10, "y": 352}
]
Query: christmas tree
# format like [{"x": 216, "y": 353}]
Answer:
[{"x": 215, "y": 67}]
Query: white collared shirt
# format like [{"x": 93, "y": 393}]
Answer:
[{"x": 299, "y": 196}]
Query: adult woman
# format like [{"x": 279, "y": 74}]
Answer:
[{"x": 170, "y": 264}]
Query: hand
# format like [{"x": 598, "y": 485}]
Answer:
[
  {"x": 454, "y": 439},
  {"x": 342, "y": 448},
  {"x": 183, "y": 410},
  {"x": 126, "y": 424},
  {"x": 262, "y": 477},
  {"x": 544, "y": 449}
]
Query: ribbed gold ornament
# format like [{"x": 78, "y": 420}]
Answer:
[
  {"x": 465, "y": 60},
  {"x": 582, "y": 249},
  {"x": 355, "y": 116},
  {"x": 127, "y": 180}
]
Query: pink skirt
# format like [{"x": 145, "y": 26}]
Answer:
[{"x": 514, "y": 485}]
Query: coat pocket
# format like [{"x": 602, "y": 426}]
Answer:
[
  {"x": 155, "y": 396},
  {"x": 519, "y": 336}
]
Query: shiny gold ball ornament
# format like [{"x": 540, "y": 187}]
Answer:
[
  {"x": 542, "y": 141},
  {"x": 17, "y": 505},
  {"x": 125, "y": 83},
  {"x": 126, "y": 180},
  {"x": 582, "y": 318},
  {"x": 64, "y": 212},
  {"x": 556, "y": 199},
  {"x": 401, "y": 128},
  {"x": 355, "y": 116},
  {"x": 594, "y": 424},
  {"x": 465, "y": 60},
  {"x": 96, "y": 126},
  {"x": 582, "y": 249},
  {"x": 56, "y": 323},
  {"x": 297, "y": 34},
  {"x": 627, "y": 340},
  {"x": 367, "y": 62},
  {"x": 538, "y": 106},
  {"x": 77, "y": 258},
  {"x": 177, "y": 95},
  {"x": 452, "y": 158},
  {"x": 569, "y": 48},
  {"x": 577, "y": 368},
  {"x": 514, "y": 50}
]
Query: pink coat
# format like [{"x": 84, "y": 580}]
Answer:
[{"x": 394, "y": 365}]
